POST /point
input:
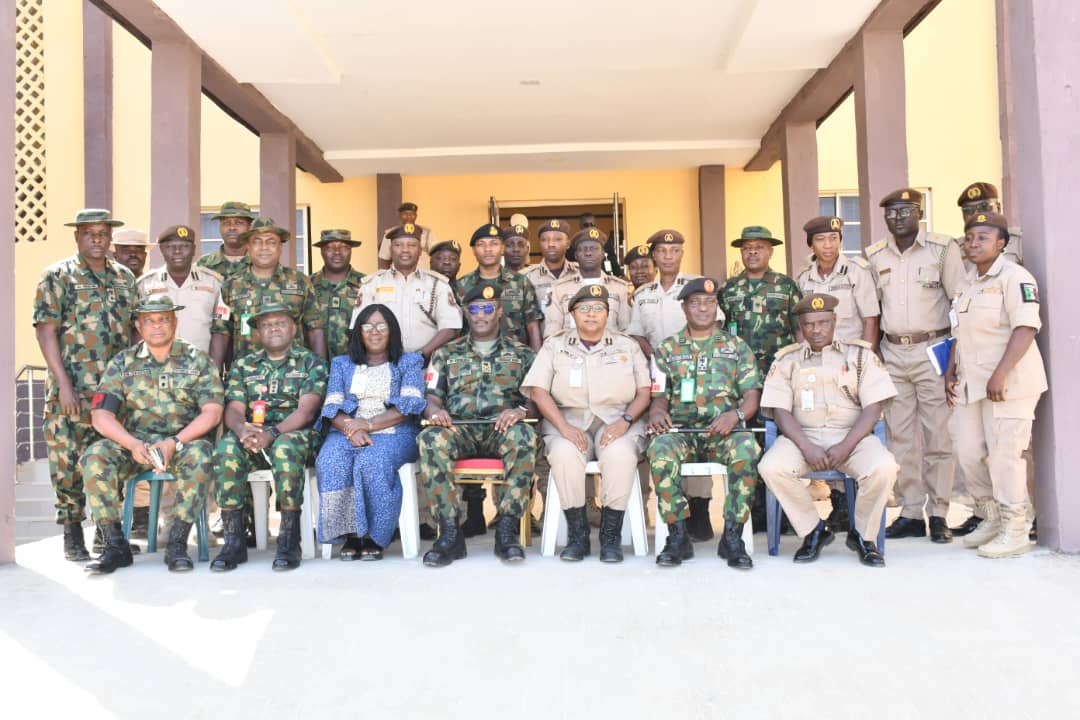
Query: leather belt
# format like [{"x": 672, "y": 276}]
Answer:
[{"x": 916, "y": 338}]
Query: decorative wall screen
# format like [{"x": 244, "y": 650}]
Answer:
[{"x": 29, "y": 122}]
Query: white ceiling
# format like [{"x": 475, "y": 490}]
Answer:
[{"x": 429, "y": 87}]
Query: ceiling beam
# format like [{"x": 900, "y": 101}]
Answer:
[
  {"x": 828, "y": 87},
  {"x": 241, "y": 101}
]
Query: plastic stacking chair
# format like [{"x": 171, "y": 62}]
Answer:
[
  {"x": 477, "y": 471},
  {"x": 309, "y": 513},
  {"x": 155, "y": 479},
  {"x": 633, "y": 529},
  {"x": 713, "y": 470}
]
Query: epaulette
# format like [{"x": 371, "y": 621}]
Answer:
[
  {"x": 370, "y": 278},
  {"x": 647, "y": 286},
  {"x": 785, "y": 350},
  {"x": 617, "y": 280},
  {"x": 876, "y": 247},
  {"x": 209, "y": 271},
  {"x": 859, "y": 260},
  {"x": 938, "y": 238},
  {"x": 860, "y": 342}
]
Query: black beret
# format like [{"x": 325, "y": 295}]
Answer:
[
  {"x": 452, "y": 245},
  {"x": 698, "y": 285},
  {"x": 407, "y": 206},
  {"x": 903, "y": 195},
  {"x": 977, "y": 192},
  {"x": 589, "y": 292},
  {"x": 589, "y": 233},
  {"x": 515, "y": 231},
  {"x": 406, "y": 230},
  {"x": 485, "y": 231},
  {"x": 818, "y": 302},
  {"x": 483, "y": 290}
]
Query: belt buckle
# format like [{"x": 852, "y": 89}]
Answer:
[{"x": 905, "y": 339}]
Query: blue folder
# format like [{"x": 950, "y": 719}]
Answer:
[{"x": 939, "y": 354}]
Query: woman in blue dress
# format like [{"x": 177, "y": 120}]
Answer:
[{"x": 373, "y": 403}]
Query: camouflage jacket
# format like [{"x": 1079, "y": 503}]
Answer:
[
  {"x": 337, "y": 300},
  {"x": 280, "y": 383},
  {"x": 520, "y": 306},
  {"x": 471, "y": 385},
  {"x": 761, "y": 311},
  {"x": 224, "y": 267}
]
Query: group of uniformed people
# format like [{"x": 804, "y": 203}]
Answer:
[{"x": 641, "y": 376}]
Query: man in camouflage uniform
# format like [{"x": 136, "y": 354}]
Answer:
[
  {"x": 477, "y": 377},
  {"x": 521, "y": 312},
  {"x": 291, "y": 380},
  {"x": 337, "y": 286},
  {"x": 263, "y": 279},
  {"x": 706, "y": 380},
  {"x": 160, "y": 395},
  {"x": 588, "y": 248},
  {"x": 234, "y": 220},
  {"x": 518, "y": 248},
  {"x": 554, "y": 236},
  {"x": 446, "y": 260},
  {"x": 82, "y": 317}
]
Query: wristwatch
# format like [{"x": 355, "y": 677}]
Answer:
[
  {"x": 176, "y": 441},
  {"x": 741, "y": 414},
  {"x": 274, "y": 432},
  {"x": 628, "y": 418}
]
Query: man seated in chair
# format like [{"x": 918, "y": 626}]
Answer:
[
  {"x": 826, "y": 395},
  {"x": 274, "y": 395},
  {"x": 477, "y": 377},
  {"x": 705, "y": 380},
  {"x": 154, "y": 406}
]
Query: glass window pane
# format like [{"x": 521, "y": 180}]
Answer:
[
  {"x": 827, "y": 205},
  {"x": 208, "y": 246},
  {"x": 849, "y": 208},
  {"x": 208, "y": 229},
  {"x": 853, "y": 238}
]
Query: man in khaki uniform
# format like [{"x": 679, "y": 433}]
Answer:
[
  {"x": 588, "y": 248},
  {"x": 983, "y": 197},
  {"x": 407, "y": 215},
  {"x": 825, "y": 396},
  {"x": 918, "y": 273},
  {"x": 554, "y": 236},
  {"x": 129, "y": 248},
  {"x": 994, "y": 381}
]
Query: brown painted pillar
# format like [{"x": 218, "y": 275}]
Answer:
[
  {"x": 880, "y": 125},
  {"x": 277, "y": 185},
  {"x": 175, "y": 127},
  {"x": 712, "y": 212},
  {"x": 1048, "y": 160},
  {"x": 7, "y": 284},
  {"x": 1010, "y": 196},
  {"x": 97, "y": 107},
  {"x": 388, "y": 199},
  {"x": 799, "y": 168}
]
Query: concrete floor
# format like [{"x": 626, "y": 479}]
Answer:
[{"x": 940, "y": 633}]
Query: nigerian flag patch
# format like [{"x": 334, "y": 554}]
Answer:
[{"x": 1029, "y": 292}]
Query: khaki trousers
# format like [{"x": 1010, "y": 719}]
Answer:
[
  {"x": 990, "y": 450},
  {"x": 618, "y": 461},
  {"x": 873, "y": 467},
  {"x": 920, "y": 396}
]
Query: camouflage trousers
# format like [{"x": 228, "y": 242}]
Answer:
[
  {"x": 440, "y": 448},
  {"x": 107, "y": 467},
  {"x": 289, "y": 455},
  {"x": 66, "y": 438},
  {"x": 738, "y": 451}
]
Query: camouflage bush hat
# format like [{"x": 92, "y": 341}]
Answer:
[
  {"x": 271, "y": 308},
  {"x": 589, "y": 292},
  {"x": 337, "y": 235},
  {"x": 483, "y": 290},
  {"x": 592, "y": 233},
  {"x": 159, "y": 303},
  {"x": 234, "y": 208},
  {"x": 127, "y": 236},
  {"x": 756, "y": 232},
  {"x": 265, "y": 225},
  {"x": 699, "y": 285},
  {"x": 87, "y": 216}
]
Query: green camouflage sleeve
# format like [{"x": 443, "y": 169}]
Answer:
[
  {"x": 49, "y": 301},
  {"x": 236, "y": 391},
  {"x": 314, "y": 314},
  {"x": 532, "y": 303},
  {"x": 435, "y": 383},
  {"x": 317, "y": 377},
  {"x": 211, "y": 389},
  {"x": 112, "y": 380},
  {"x": 748, "y": 376},
  {"x": 795, "y": 295}
]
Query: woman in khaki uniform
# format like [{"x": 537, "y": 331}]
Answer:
[
  {"x": 592, "y": 386},
  {"x": 993, "y": 383}
]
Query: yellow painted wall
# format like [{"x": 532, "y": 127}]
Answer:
[{"x": 754, "y": 198}]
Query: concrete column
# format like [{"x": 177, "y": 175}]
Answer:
[
  {"x": 7, "y": 284},
  {"x": 97, "y": 107},
  {"x": 388, "y": 199},
  {"x": 1048, "y": 161},
  {"x": 880, "y": 125},
  {"x": 277, "y": 185},
  {"x": 175, "y": 127},
  {"x": 712, "y": 212},
  {"x": 1010, "y": 197},
  {"x": 799, "y": 169}
]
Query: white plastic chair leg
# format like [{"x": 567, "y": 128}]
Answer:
[
  {"x": 633, "y": 530},
  {"x": 660, "y": 528},
  {"x": 748, "y": 537},
  {"x": 409, "y": 518},
  {"x": 307, "y": 529},
  {"x": 554, "y": 530},
  {"x": 260, "y": 492},
  {"x": 312, "y": 481}
]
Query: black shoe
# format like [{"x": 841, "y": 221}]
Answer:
[
  {"x": 75, "y": 543},
  {"x": 699, "y": 526},
  {"x": 838, "y": 518},
  {"x": 474, "y": 524},
  {"x": 449, "y": 547},
  {"x": 939, "y": 530},
  {"x": 140, "y": 521},
  {"x": 117, "y": 553},
  {"x": 813, "y": 543},
  {"x": 507, "y": 545},
  {"x": 732, "y": 548},
  {"x": 1033, "y": 533},
  {"x": 678, "y": 546},
  {"x": 427, "y": 532},
  {"x": 903, "y": 527},
  {"x": 578, "y": 546},
  {"x": 234, "y": 551},
  {"x": 370, "y": 550},
  {"x": 288, "y": 542},
  {"x": 611, "y": 535},
  {"x": 351, "y": 549},
  {"x": 867, "y": 549},
  {"x": 967, "y": 526},
  {"x": 176, "y": 556}
]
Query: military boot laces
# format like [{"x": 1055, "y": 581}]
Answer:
[
  {"x": 449, "y": 547},
  {"x": 117, "y": 553},
  {"x": 578, "y": 546},
  {"x": 176, "y": 555},
  {"x": 75, "y": 543},
  {"x": 678, "y": 546},
  {"x": 288, "y": 541},
  {"x": 234, "y": 551},
  {"x": 507, "y": 545},
  {"x": 732, "y": 548},
  {"x": 611, "y": 522}
]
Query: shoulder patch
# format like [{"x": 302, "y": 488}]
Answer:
[
  {"x": 938, "y": 238},
  {"x": 785, "y": 350},
  {"x": 859, "y": 260},
  {"x": 860, "y": 342},
  {"x": 876, "y": 247}
]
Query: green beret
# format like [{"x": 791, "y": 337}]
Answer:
[
  {"x": 407, "y": 206},
  {"x": 818, "y": 302},
  {"x": 554, "y": 225},
  {"x": 823, "y": 224},
  {"x": 88, "y": 216},
  {"x": 638, "y": 252},
  {"x": 903, "y": 195},
  {"x": 665, "y": 237},
  {"x": 406, "y": 230},
  {"x": 329, "y": 236},
  {"x": 176, "y": 232},
  {"x": 159, "y": 303},
  {"x": 977, "y": 192},
  {"x": 452, "y": 245},
  {"x": 485, "y": 231},
  {"x": 699, "y": 285},
  {"x": 989, "y": 220},
  {"x": 756, "y": 232},
  {"x": 234, "y": 209},
  {"x": 483, "y": 290},
  {"x": 590, "y": 233},
  {"x": 589, "y": 292},
  {"x": 516, "y": 231},
  {"x": 265, "y": 225},
  {"x": 271, "y": 308}
]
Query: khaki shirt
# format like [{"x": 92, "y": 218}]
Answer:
[
  {"x": 851, "y": 282},
  {"x": 422, "y": 302},
  {"x": 826, "y": 389},
  {"x": 916, "y": 287},
  {"x": 542, "y": 279},
  {"x": 657, "y": 313},
  {"x": 1013, "y": 251},
  {"x": 557, "y": 316},
  {"x": 987, "y": 312},
  {"x": 586, "y": 384},
  {"x": 427, "y": 240},
  {"x": 198, "y": 295}
]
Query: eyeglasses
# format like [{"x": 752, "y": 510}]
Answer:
[
  {"x": 704, "y": 302},
  {"x": 590, "y": 308},
  {"x": 904, "y": 212},
  {"x": 485, "y": 308},
  {"x": 983, "y": 207},
  {"x": 374, "y": 327}
]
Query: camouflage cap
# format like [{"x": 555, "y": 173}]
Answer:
[
  {"x": 822, "y": 224},
  {"x": 902, "y": 196},
  {"x": 817, "y": 302},
  {"x": 638, "y": 252},
  {"x": 271, "y": 308},
  {"x": 176, "y": 232},
  {"x": 406, "y": 230},
  {"x": 697, "y": 286},
  {"x": 756, "y": 232},
  {"x": 554, "y": 225},
  {"x": 585, "y": 234},
  {"x": 978, "y": 192},
  {"x": 483, "y": 290},
  {"x": 589, "y": 292},
  {"x": 451, "y": 245},
  {"x": 336, "y": 235},
  {"x": 131, "y": 237},
  {"x": 158, "y": 303},
  {"x": 485, "y": 231},
  {"x": 234, "y": 208},
  {"x": 265, "y": 225},
  {"x": 87, "y": 216},
  {"x": 516, "y": 231},
  {"x": 665, "y": 237}
]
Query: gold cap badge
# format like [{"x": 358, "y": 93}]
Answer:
[
  {"x": 905, "y": 195},
  {"x": 489, "y": 292},
  {"x": 181, "y": 232},
  {"x": 834, "y": 223},
  {"x": 409, "y": 227},
  {"x": 519, "y": 228},
  {"x": 817, "y": 303},
  {"x": 973, "y": 193},
  {"x": 981, "y": 218},
  {"x": 554, "y": 223},
  {"x": 668, "y": 237},
  {"x": 594, "y": 291},
  {"x": 493, "y": 231},
  {"x": 594, "y": 233}
]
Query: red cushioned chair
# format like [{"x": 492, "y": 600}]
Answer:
[{"x": 477, "y": 471}]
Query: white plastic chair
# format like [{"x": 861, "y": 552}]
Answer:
[
  {"x": 309, "y": 513},
  {"x": 633, "y": 529},
  {"x": 713, "y": 470},
  {"x": 409, "y": 517}
]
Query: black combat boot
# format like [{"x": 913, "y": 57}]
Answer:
[
  {"x": 75, "y": 543},
  {"x": 99, "y": 543},
  {"x": 699, "y": 526},
  {"x": 449, "y": 547},
  {"x": 678, "y": 546},
  {"x": 611, "y": 535},
  {"x": 288, "y": 541},
  {"x": 732, "y": 548},
  {"x": 838, "y": 518},
  {"x": 474, "y": 524},
  {"x": 814, "y": 542},
  {"x": 117, "y": 552},
  {"x": 176, "y": 556},
  {"x": 140, "y": 521},
  {"x": 507, "y": 545},
  {"x": 234, "y": 551},
  {"x": 577, "y": 535}
]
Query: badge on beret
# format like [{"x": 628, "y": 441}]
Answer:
[
  {"x": 817, "y": 303},
  {"x": 594, "y": 233},
  {"x": 489, "y": 292},
  {"x": 668, "y": 237},
  {"x": 973, "y": 193},
  {"x": 519, "y": 228},
  {"x": 594, "y": 291},
  {"x": 709, "y": 286},
  {"x": 409, "y": 227},
  {"x": 834, "y": 223},
  {"x": 905, "y": 195},
  {"x": 554, "y": 223},
  {"x": 454, "y": 244},
  {"x": 181, "y": 232},
  {"x": 980, "y": 218}
]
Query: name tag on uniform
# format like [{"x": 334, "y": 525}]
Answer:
[
  {"x": 335, "y": 302},
  {"x": 807, "y": 399},
  {"x": 384, "y": 289},
  {"x": 245, "y": 325},
  {"x": 110, "y": 295},
  {"x": 575, "y": 377},
  {"x": 687, "y": 390}
]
